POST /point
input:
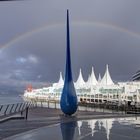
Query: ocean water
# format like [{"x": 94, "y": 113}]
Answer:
[{"x": 10, "y": 98}]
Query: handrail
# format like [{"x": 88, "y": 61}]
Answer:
[{"x": 10, "y": 109}]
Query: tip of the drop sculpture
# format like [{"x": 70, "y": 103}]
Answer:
[{"x": 67, "y": 11}]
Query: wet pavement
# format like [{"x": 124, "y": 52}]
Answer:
[
  {"x": 97, "y": 129},
  {"x": 39, "y": 117},
  {"x": 55, "y": 124}
]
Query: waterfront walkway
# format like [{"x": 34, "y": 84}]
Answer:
[{"x": 39, "y": 117}]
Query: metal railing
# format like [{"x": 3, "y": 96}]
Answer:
[
  {"x": 10, "y": 109},
  {"x": 83, "y": 107},
  {"x": 95, "y": 107}
]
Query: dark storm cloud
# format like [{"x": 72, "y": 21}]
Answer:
[{"x": 40, "y": 57}]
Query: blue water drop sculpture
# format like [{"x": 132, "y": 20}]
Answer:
[{"x": 68, "y": 100}]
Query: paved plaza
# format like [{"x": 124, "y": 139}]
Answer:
[
  {"x": 97, "y": 129},
  {"x": 52, "y": 124}
]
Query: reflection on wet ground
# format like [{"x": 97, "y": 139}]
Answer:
[{"x": 97, "y": 129}]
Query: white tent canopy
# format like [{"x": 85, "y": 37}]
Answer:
[
  {"x": 60, "y": 81},
  {"x": 99, "y": 78},
  {"x": 106, "y": 80},
  {"x": 80, "y": 81},
  {"x": 93, "y": 78},
  {"x": 89, "y": 80}
]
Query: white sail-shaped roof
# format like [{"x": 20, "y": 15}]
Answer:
[
  {"x": 106, "y": 80},
  {"x": 93, "y": 78},
  {"x": 99, "y": 78},
  {"x": 61, "y": 81},
  {"x": 89, "y": 80},
  {"x": 80, "y": 81}
]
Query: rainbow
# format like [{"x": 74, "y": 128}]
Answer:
[{"x": 80, "y": 23}]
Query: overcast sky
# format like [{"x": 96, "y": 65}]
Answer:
[{"x": 33, "y": 39}]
